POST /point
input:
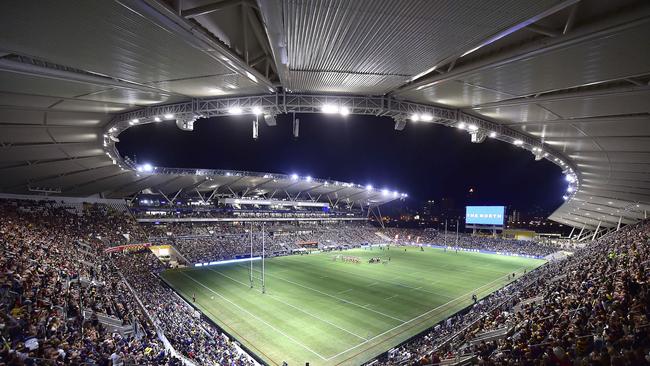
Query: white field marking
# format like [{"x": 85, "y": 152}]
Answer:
[
  {"x": 337, "y": 298},
  {"x": 344, "y": 291},
  {"x": 409, "y": 321},
  {"x": 399, "y": 284},
  {"x": 286, "y": 303},
  {"x": 390, "y": 297},
  {"x": 254, "y": 316}
]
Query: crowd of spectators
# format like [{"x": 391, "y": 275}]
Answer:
[
  {"x": 213, "y": 241},
  {"x": 189, "y": 211},
  {"x": 187, "y": 331},
  {"x": 589, "y": 309},
  {"x": 226, "y": 246},
  {"x": 206, "y": 242},
  {"x": 56, "y": 284},
  {"x": 467, "y": 241}
]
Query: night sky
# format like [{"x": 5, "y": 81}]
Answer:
[{"x": 425, "y": 160}]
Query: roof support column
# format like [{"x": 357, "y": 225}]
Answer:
[
  {"x": 581, "y": 230},
  {"x": 596, "y": 231}
]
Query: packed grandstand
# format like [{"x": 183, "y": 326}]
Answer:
[{"x": 68, "y": 300}]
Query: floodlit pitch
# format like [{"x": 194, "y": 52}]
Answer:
[{"x": 333, "y": 312}]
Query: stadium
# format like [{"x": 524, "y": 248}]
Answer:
[{"x": 111, "y": 259}]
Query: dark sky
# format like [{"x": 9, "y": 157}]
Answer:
[{"x": 425, "y": 160}]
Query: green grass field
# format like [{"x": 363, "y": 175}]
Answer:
[{"x": 324, "y": 312}]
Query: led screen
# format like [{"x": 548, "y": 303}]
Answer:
[{"x": 485, "y": 215}]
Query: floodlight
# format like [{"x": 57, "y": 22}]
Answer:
[
  {"x": 257, "y": 110},
  {"x": 369, "y": 187},
  {"x": 145, "y": 168},
  {"x": 518, "y": 142},
  {"x": 157, "y": 119},
  {"x": 569, "y": 189},
  {"x": 395, "y": 194},
  {"x": 168, "y": 116},
  {"x": 415, "y": 117},
  {"x": 426, "y": 117},
  {"x": 308, "y": 178},
  {"x": 294, "y": 176},
  {"x": 566, "y": 198},
  {"x": 235, "y": 110},
  {"x": 461, "y": 125},
  {"x": 330, "y": 109},
  {"x": 384, "y": 192},
  {"x": 569, "y": 178},
  {"x": 493, "y": 134},
  {"x": 472, "y": 127},
  {"x": 134, "y": 121},
  {"x": 344, "y": 111}
]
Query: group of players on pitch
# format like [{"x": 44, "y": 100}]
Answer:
[{"x": 347, "y": 259}]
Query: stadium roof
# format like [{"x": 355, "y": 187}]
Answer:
[{"x": 567, "y": 80}]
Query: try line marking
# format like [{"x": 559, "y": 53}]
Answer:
[
  {"x": 417, "y": 317},
  {"x": 253, "y": 315}
]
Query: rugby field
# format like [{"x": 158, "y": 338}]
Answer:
[{"x": 329, "y": 312}]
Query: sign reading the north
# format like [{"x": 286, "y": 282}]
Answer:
[{"x": 485, "y": 215}]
